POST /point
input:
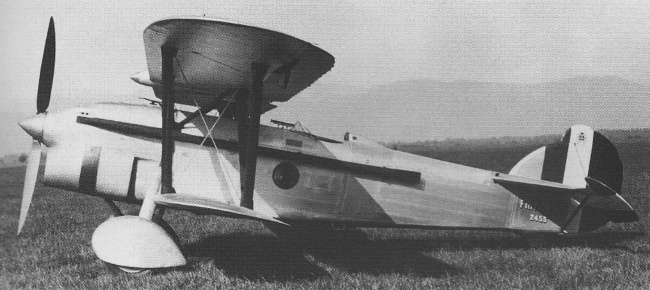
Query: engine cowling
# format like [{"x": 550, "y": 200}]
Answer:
[{"x": 99, "y": 171}]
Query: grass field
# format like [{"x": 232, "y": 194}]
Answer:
[{"x": 54, "y": 251}]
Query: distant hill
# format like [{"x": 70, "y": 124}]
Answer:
[
  {"x": 502, "y": 153},
  {"x": 617, "y": 136},
  {"x": 423, "y": 109}
]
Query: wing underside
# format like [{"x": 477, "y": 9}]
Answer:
[
  {"x": 214, "y": 59},
  {"x": 206, "y": 206}
]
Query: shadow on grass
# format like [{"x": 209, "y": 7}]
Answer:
[
  {"x": 264, "y": 257},
  {"x": 356, "y": 253},
  {"x": 255, "y": 257},
  {"x": 267, "y": 258},
  {"x": 600, "y": 240},
  {"x": 471, "y": 240}
]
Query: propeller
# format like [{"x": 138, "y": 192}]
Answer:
[
  {"x": 47, "y": 71},
  {"x": 31, "y": 173},
  {"x": 34, "y": 126}
]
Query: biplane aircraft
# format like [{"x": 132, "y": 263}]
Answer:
[{"x": 217, "y": 159}]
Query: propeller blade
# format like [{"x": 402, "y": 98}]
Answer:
[
  {"x": 47, "y": 71},
  {"x": 33, "y": 162}
]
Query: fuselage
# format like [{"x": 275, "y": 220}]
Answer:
[{"x": 109, "y": 150}]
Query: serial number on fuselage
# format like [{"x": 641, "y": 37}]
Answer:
[
  {"x": 538, "y": 218},
  {"x": 532, "y": 217}
]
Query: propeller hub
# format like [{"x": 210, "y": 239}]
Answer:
[
  {"x": 34, "y": 126},
  {"x": 143, "y": 78}
]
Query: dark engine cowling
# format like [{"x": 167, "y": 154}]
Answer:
[{"x": 98, "y": 171}]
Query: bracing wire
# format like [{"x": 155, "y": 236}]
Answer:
[
  {"x": 219, "y": 156},
  {"x": 209, "y": 132}
]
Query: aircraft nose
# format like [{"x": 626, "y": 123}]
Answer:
[{"x": 34, "y": 126}]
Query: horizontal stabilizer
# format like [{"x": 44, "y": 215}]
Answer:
[
  {"x": 599, "y": 188},
  {"x": 549, "y": 197},
  {"x": 535, "y": 185},
  {"x": 205, "y": 206},
  {"x": 614, "y": 203}
]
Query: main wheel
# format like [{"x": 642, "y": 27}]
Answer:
[
  {"x": 128, "y": 270},
  {"x": 142, "y": 271},
  {"x": 160, "y": 221},
  {"x": 133, "y": 271}
]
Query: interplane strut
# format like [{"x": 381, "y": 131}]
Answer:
[
  {"x": 168, "y": 123},
  {"x": 248, "y": 128}
]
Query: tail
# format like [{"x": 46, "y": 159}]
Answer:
[{"x": 582, "y": 153}]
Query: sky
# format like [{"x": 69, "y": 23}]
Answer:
[{"x": 99, "y": 45}]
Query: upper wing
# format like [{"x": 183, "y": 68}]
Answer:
[{"x": 214, "y": 59}]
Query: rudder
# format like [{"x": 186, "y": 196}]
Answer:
[{"x": 582, "y": 152}]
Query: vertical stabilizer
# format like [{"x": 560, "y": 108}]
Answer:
[{"x": 582, "y": 152}]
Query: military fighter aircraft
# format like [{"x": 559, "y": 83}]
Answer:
[{"x": 227, "y": 164}]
